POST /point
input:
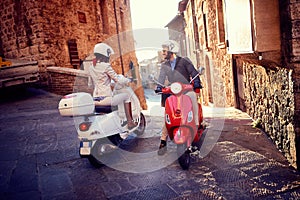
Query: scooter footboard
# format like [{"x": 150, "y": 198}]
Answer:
[{"x": 182, "y": 135}]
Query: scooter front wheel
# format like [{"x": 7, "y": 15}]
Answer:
[
  {"x": 141, "y": 128},
  {"x": 184, "y": 158}
]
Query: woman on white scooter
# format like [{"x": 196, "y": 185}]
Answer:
[{"x": 101, "y": 74}]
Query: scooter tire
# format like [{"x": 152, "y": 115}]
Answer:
[
  {"x": 96, "y": 158},
  {"x": 184, "y": 158},
  {"x": 115, "y": 139},
  {"x": 94, "y": 162},
  {"x": 199, "y": 143},
  {"x": 141, "y": 128}
]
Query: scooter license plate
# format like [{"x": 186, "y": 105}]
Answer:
[{"x": 85, "y": 148}]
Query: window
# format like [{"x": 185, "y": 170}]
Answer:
[
  {"x": 104, "y": 16},
  {"x": 220, "y": 23},
  {"x": 205, "y": 25},
  {"x": 123, "y": 26},
  {"x": 81, "y": 17}
]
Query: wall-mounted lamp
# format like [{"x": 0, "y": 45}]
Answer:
[{"x": 260, "y": 57}]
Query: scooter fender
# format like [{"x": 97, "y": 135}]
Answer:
[
  {"x": 177, "y": 109},
  {"x": 182, "y": 135},
  {"x": 135, "y": 104}
]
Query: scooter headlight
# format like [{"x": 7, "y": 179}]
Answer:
[
  {"x": 176, "y": 88},
  {"x": 168, "y": 121},
  {"x": 190, "y": 116}
]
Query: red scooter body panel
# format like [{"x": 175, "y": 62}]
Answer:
[
  {"x": 182, "y": 135},
  {"x": 177, "y": 108},
  {"x": 200, "y": 131}
]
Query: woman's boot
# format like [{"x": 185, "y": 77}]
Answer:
[{"x": 128, "y": 112}]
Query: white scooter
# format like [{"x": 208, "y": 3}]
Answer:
[{"x": 101, "y": 129}]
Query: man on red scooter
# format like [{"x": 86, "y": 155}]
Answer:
[{"x": 177, "y": 69}]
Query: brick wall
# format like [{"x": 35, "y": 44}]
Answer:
[
  {"x": 218, "y": 80},
  {"x": 66, "y": 80}
]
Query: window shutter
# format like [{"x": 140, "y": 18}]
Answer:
[{"x": 238, "y": 26}]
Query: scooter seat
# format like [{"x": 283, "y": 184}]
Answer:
[{"x": 105, "y": 109}]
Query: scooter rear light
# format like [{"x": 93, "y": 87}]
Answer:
[{"x": 84, "y": 126}]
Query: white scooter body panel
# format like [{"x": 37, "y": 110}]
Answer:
[{"x": 101, "y": 126}]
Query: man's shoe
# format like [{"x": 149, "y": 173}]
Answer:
[{"x": 162, "y": 148}]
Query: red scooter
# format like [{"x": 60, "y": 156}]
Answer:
[{"x": 180, "y": 122}]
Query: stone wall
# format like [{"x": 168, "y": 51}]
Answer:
[
  {"x": 218, "y": 79},
  {"x": 40, "y": 30},
  {"x": 269, "y": 99},
  {"x": 221, "y": 68},
  {"x": 290, "y": 45}
]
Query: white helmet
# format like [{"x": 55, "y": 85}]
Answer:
[
  {"x": 103, "y": 49},
  {"x": 172, "y": 45}
]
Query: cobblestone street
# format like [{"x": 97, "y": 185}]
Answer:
[{"x": 39, "y": 158}]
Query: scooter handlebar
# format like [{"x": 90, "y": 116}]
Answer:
[
  {"x": 185, "y": 87},
  {"x": 166, "y": 90}
]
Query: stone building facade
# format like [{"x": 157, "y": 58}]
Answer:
[
  {"x": 63, "y": 33},
  {"x": 252, "y": 61}
]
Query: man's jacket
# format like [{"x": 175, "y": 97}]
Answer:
[{"x": 183, "y": 72}]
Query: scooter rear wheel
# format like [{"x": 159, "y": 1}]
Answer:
[
  {"x": 93, "y": 161},
  {"x": 99, "y": 156},
  {"x": 184, "y": 158}
]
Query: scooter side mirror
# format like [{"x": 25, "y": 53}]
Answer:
[
  {"x": 151, "y": 77},
  {"x": 201, "y": 70}
]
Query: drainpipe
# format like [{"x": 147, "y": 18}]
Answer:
[
  {"x": 196, "y": 34},
  {"x": 119, "y": 43},
  {"x": 181, "y": 8}
]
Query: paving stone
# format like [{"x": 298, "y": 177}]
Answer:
[
  {"x": 57, "y": 156},
  {"x": 155, "y": 193},
  {"x": 209, "y": 194},
  {"x": 32, "y": 195},
  {"x": 24, "y": 176},
  {"x": 6, "y": 168},
  {"x": 55, "y": 183}
]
